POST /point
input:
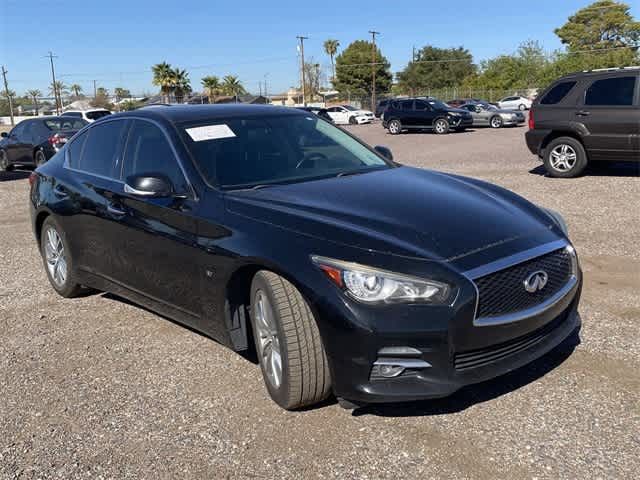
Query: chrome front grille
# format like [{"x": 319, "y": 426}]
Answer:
[{"x": 503, "y": 293}]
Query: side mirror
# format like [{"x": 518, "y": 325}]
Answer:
[
  {"x": 149, "y": 185},
  {"x": 384, "y": 151},
  {"x": 4, "y": 134}
]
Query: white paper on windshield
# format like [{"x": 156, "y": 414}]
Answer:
[{"x": 210, "y": 132}]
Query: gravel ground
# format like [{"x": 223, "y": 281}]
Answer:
[{"x": 96, "y": 387}]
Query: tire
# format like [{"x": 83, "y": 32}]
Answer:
[
  {"x": 522, "y": 107},
  {"x": 4, "y": 162},
  {"x": 496, "y": 121},
  {"x": 61, "y": 275},
  {"x": 394, "y": 127},
  {"x": 441, "y": 126},
  {"x": 565, "y": 157},
  {"x": 290, "y": 326},
  {"x": 39, "y": 158},
  {"x": 353, "y": 121}
]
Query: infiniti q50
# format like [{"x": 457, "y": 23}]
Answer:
[{"x": 270, "y": 228}]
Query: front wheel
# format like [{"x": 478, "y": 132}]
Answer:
[
  {"x": 352, "y": 121},
  {"x": 565, "y": 157},
  {"x": 441, "y": 126},
  {"x": 496, "y": 121},
  {"x": 522, "y": 107},
  {"x": 40, "y": 158},
  {"x": 292, "y": 358},
  {"x": 395, "y": 127},
  {"x": 56, "y": 256}
]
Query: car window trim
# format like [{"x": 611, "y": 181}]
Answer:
[{"x": 114, "y": 118}]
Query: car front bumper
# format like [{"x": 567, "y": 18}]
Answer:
[
  {"x": 364, "y": 119},
  {"x": 441, "y": 365}
]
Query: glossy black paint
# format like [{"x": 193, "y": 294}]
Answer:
[
  {"x": 192, "y": 257},
  {"x": 29, "y": 136},
  {"x": 417, "y": 114},
  {"x": 607, "y": 132}
]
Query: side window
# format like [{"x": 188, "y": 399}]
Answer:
[
  {"x": 74, "y": 150},
  {"x": 557, "y": 93},
  {"x": 27, "y": 131},
  {"x": 17, "y": 131},
  {"x": 332, "y": 109},
  {"x": 422, "y": 105},
  {"x": 102, "y": 150},
  {"x": 148, "y": 151},
  {"x": 406, "y": 105},
  {"x": 611, "y": 91}
]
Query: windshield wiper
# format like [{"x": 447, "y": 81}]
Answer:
[{"x": 359, "y": 172}]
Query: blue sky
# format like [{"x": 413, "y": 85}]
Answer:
[{"x": 117, "y": 41}]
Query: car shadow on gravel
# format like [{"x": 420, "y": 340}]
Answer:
[
  {"x": 481, "y": 392},
  {"x": 601, "y": 169},
  {"x": 14, "y": 175}
]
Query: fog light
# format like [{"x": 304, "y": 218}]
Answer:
[{"x": 390, "y": 371}]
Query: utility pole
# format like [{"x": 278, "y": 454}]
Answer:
[
  {"x": 95, "y": 91},
  {"x": 265, "y": 86},
  {"x": 6, "y": 91},
  {"x": 373, "y": 68},
  {"x": 304, "y": 93},
  {"x": 51, "y": 56}
]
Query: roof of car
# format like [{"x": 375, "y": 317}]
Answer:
[
  {"x": 190, "y": 113},
  {"x": 602, "y": 72}
]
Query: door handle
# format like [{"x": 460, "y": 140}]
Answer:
[
  {"x": 115, "y": 211},
  {"x": 583, "y": 113},
  {"x": 60, "y": 192}
]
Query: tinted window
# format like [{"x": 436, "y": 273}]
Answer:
[
  {"x": 72, "y": 114},
  {"x": 406, "y": 104},
  {"x": 101, "y": 153},
  {"x": 65, "y": 123},
  {"x": 275, "y": 149},
  {"x": 422, "y": 105},
  {"x": 18, "y": 130},
  {"x": 149, "y": 151},
  {"x": 611, "y": 91},
  {"x": 98, "y": 114},
  {"x": 74, "y": 150},
  {"x": 557, "y": 93}
]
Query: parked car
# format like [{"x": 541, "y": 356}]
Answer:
[
  {"x": 321, "y": 112},
  {"x": 34, "y": 141},
  {"x": 585, "y": 117},
  {"x": 381, "y": 107},
  {"x": 90, "y": 115},
  {"x": 353, "y": 274},
  {"x": 515, "y": 103},
  {"x": 486, "y": 115},
  {"x": 458, "y": 102},
  {"x": 343, "y": 114},
  {"x": 424, "y": 114}
]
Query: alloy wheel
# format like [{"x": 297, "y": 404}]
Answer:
[
  {"x": 4, "y": 161},
  {"x": 496, "y": 122},
  {"x": 268, "y": 339},
  {"x": 441, "y": 126},
  {"x": 394, "y": 127},
  {"x": 563, "y": 157},
  {"x": 55, "y": 257},
  {"x": 40, "y": 158}
]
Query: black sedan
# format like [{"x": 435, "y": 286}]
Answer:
[
  {"x": 352, "y": 274},
  {"x": 34, "y": 141}
]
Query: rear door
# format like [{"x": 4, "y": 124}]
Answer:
[
  {"x": 15, "y": 146},
  {"x": 610, "y": 113}
]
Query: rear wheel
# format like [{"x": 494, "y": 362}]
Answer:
[
  {"x": 496, "y": 121},
  {"x": 522, "y": 107},
  {"x": 441, "y": 126},
  {"x": 57, "y": 259},
  {"x": 395, "y": 127},
  {"x": 292, "y": 358},
  {"x": 39, "y": 158},
  {"x": 565, "y": 157},
  {"x": 4, "y": 162}
]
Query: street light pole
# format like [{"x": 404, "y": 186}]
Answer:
[
  {"x": 8, "y": 95},
  {"x": 304, "y": 93},
  {"x": 54, "y": 85}
]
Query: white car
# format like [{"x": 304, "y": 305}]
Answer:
[
  {"x": 347, "y": 114},
  {"x": 90, "y": 115},
  {"x": 515, "y": 103}
]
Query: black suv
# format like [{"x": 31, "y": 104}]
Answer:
[
  {"x": 424, "y": 113},
  {"x": 587, "y": 116}
]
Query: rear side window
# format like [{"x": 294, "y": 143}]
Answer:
[
  {"x": 611, "y": 91},
  {"x": 72, "y": 114},
  {"x": 102, "y": 149},
  {"x": 557, "y": 93},
  {"x": 406, "y": 104},
  {"x": 149, "y": 151},
  {"x": 98, "y": 114},
  {"x": 74, "y": 150}
]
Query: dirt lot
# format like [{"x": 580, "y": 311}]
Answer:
[{"x": 96, "y": 387}]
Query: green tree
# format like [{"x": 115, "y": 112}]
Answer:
[
  {"x": 311, "y": 79},
  {"x": 603, "y": 24},
  {"x": 231, "y": 85},
  {"x": 34, "y": 95},
  {"x": 436, "y": 68},
  {"x": 121, "y": 93},
  {"x": 76, "y": 90},
  {"x": 163, "y": 77},
  {"x": 102, "y": 99},
  {"x": 181, "y": 85},
  {"x": 353, "y": 70},
  {"x": 331, "y": 48},
  {"x": 212, "y": 86}
]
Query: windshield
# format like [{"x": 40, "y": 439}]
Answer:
[
  {"x": 437, "y": 104},
  {"x": 242, "y": 153},
  {"x": 350, "y": 108},
  {"x": 65, "y": 123},
  {"x": 97, "y": 114}
]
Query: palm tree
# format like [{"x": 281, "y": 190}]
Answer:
[
  {"x": 231, "y": 85},
  {"x": 211, "y": 84},
  {"x": 76, "y": 90},
  {"x": 180, "y": 83},
  {"x": 121, "y": 93},
  {"x": 35, "y": 94},
  {"x": 331, "y": 48},
  {"x": 163, "y": 78}
]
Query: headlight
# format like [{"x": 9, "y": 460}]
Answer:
[
  {"x": 453, "y": 114},
  {"x": 372, "y": 285},
  {"x": 558, "y": 220}
]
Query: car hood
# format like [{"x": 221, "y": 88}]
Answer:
[{"x": 402, "y": 211}]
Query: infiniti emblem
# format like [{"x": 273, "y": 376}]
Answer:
[{"x": 536, "y": 281}]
